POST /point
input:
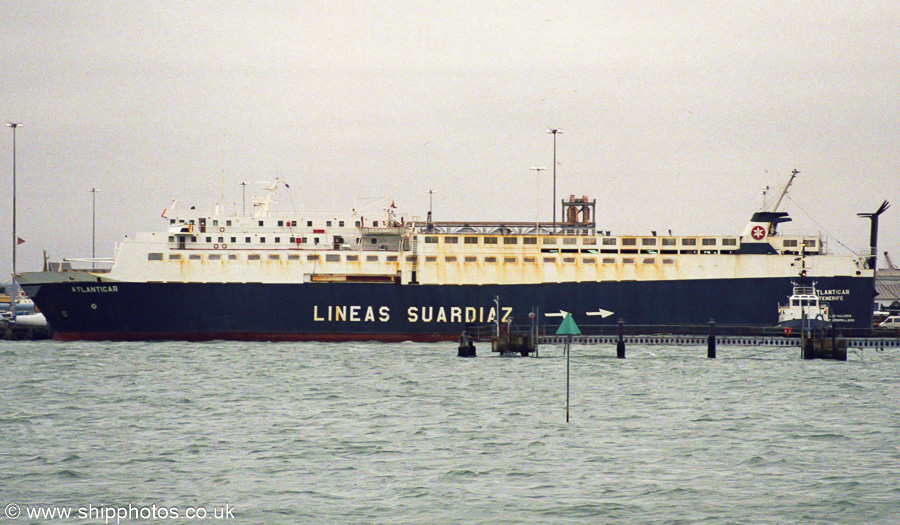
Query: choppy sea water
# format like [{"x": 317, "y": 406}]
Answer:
[{"x": 409, "y": 433}]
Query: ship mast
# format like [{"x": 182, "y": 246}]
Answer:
[{"x": 784, "y": 191}]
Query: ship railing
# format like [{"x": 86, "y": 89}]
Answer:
[
  {"x": 83, "y": 264},
  {"x": 506, "y": 228}
]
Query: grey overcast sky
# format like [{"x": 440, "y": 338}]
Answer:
[{"x": 675, "y": 113}]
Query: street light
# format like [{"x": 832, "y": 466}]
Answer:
[
  {"x": 14, "y": 291},
  {"x": 243, "y": 186},
  {"x": 537, "y": 205},
  {"x": 93, "y": 226},
  {"x": 554, "y": 132}
]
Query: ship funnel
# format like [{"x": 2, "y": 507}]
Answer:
[{"x": 873, "y": 234}]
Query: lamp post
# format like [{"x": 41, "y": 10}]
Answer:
[
  {"x": 243, "y": 198},
  {"x": 537, "y": 205},
  {"x": 554, "y": 132},
  {"x": 14, "y": 290},
  {"x": 93, "y": 226}
]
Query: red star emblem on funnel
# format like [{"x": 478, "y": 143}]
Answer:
[{"x": 758, "y": 232}]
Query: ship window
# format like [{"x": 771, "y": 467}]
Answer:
[
  {"x": 628, "y": 260},
  {"x": 357, "y": 223},
  {"x": 451, "y": 240},
  {"x": 709, "y": 242},
  {"x": 309, "y": 224},
  {"x": 194, "y": 257},
  {"x": 529, "y": 240},
  {"x": 215, "y": 257},
  {"x": 341, "y": 224},
  {"x": 549, "y": 259},
  {"x": 729, "y": 242},
  {"x": 430, "y": 258},
  {"x": 471, "y": 259},
  {"x": 409, "y": 258},
  {"x": 261, "y": 223},
  {"x": 569, "y": 240},
  {"x": 154, "y": 257},
  {"x": 510, "y": 240},
  {"x": 490, "y": 240},
  {"x": 209, "y": 239},
  {"x": 253, "y": 257},
  {"x": 589, "y": 260},
  {"x": 332, "y": 257},
  {"x": 689, "y": 242},
  {"x": 431, "y": 239},
  {"x": 281, "y": 223},
  {"x": 649, "y": 261},
  {"x": 528, "y": 259},
  {"x": 589, "y": 240},
  {"x": 372, "y": 258},
  {"x": 234, "y": 239},
  {"x": 609, "y": 260},
  {"x": 172, "y": 221},
  {"x": 312, "y": 257},
  {"x": 247, "y": 239},
  {"x": 227, "y": 223},
  {"x": 274, "y": 257},
  {"x": 811, "y": 243},
  {"x": 470, "y": 240},
  {"x": 450, "y": 258},
  {"x": 391, "y": 258},
  {"x": 262, "y": 240},
  {"x": 629, "y": 242},
  {"x": 648, "y": 241},
  {"x": 328, "y": 223},
  {"x": 490, "y": 259},
  {"x": 568, "y": 259},
  {"x": 171, "y": 238},
  {"x": 509, "y": 259},
  {"x": 668, "y": 261},
  {"x": 277, "y": 239},
  {"x": 232, "y": 257},
  {"x": 668, "y": 241},
  {"x": 221, "y": 239},
  {"x": 293, "y": 257},
  {"x": 193, "y": 238},
  {"x": 374, "y": 240},
  {"x": 609, "y": 241},
  {"x": 790, "y": 243},
  {"x": 175, "y": 257}
]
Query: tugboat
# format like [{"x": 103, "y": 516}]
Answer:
[{"x": 804, "y": 309}]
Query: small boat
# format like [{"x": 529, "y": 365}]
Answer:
[{"x": 804, "y": 309}]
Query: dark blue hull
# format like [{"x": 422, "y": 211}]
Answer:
[{"x": 394, "y": 312}]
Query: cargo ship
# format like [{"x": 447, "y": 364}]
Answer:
[{"x": 388, "y": 277}]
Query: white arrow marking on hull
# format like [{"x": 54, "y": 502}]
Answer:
[
  {"x": 601, "y": 312},
  {"x": 562, "y": 313}
]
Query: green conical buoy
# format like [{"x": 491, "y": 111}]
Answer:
[{"x": 568, "y": 327}]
